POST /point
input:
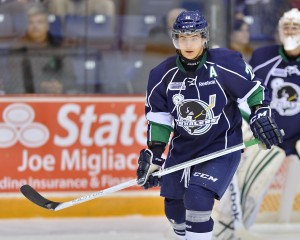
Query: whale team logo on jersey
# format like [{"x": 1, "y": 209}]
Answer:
[
  {"x": 285, "y": 97},
  {"x": 194, "y": 115}
]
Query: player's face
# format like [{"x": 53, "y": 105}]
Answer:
[
  {"x": 241, "y": 36},
  {"x": 190, "y": 45}
]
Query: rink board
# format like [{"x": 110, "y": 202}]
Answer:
[
  {"x": 128, "y": 203},
  {"x": 70, "y": 146}
]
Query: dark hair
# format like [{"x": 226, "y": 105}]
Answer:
[{"x": 237, "y": 24}]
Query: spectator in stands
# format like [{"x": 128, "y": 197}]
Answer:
[
  {"x": 240, "y": 39},
  {"x": 37, "y": 31},
  {"x": 39, "y": 57}
]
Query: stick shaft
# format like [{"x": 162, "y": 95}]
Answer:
[
  {"x": 160, "y": 173},
  {"x": 205, "y": 158},
  {"x": 98, "y": 194}
]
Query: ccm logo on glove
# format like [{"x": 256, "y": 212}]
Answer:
[{"x": 264, "y": 113}]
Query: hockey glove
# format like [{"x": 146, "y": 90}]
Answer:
[
  {"x": 147, "y": 164},
  {"x": 264, "y": 127}
]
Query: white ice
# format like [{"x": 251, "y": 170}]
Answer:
[{"x": 111, "y": 228}]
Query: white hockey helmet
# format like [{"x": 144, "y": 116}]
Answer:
[{"x": 289, "y": 29}]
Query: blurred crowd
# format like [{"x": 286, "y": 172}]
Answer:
[{"x": 109, "y": 46}]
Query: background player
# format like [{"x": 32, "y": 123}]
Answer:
[
  {"x": 279, "y": 67},
  {"x": 196, "y": 95}
]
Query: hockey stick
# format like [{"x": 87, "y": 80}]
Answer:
[{"x": 31, "y": 194}]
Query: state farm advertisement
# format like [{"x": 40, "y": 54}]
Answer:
[{"x": 70, "y": 144}]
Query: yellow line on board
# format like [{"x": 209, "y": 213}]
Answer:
[{"x": 102, "y": 207}]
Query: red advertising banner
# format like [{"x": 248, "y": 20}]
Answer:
[{"x": 68, "y": 143}]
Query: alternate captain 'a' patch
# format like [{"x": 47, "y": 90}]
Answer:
[{"x": 195, "y": 116}]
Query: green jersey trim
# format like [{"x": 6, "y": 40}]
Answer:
[
  {"x": 159, "y": 132},
  {"x": 256, "y": 97}
]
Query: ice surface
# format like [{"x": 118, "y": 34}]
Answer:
[{"x": 111, "y": 228}]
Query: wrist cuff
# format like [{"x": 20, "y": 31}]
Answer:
[{"x": 157, "y": 148}]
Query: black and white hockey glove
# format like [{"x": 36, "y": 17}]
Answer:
[
  {"x": 147, "y": 164},
  {"x": 264, "y": 127}
]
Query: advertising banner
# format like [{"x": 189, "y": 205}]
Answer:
[{"x": 70, "y": 144}]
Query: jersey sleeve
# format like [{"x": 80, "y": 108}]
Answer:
[
  {"x": 160, "y": 120},
  {"x": 259, "y": 97},
  {"x": 241, "y": 83}
]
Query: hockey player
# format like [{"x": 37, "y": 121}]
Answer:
[
  {"x": 195, "y": 95},
  {"x": 279, "y": 68}
]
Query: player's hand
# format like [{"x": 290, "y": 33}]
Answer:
[
  {"x": 147, "y": 164},
  {"x": 264, "y": 127}
]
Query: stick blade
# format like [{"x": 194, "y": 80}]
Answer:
[{"x": 32, "y": 195}]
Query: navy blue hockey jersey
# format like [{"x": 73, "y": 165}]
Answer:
[
  {"x": 202, "y": 109},
  {"x": 282, "y": 76}
]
